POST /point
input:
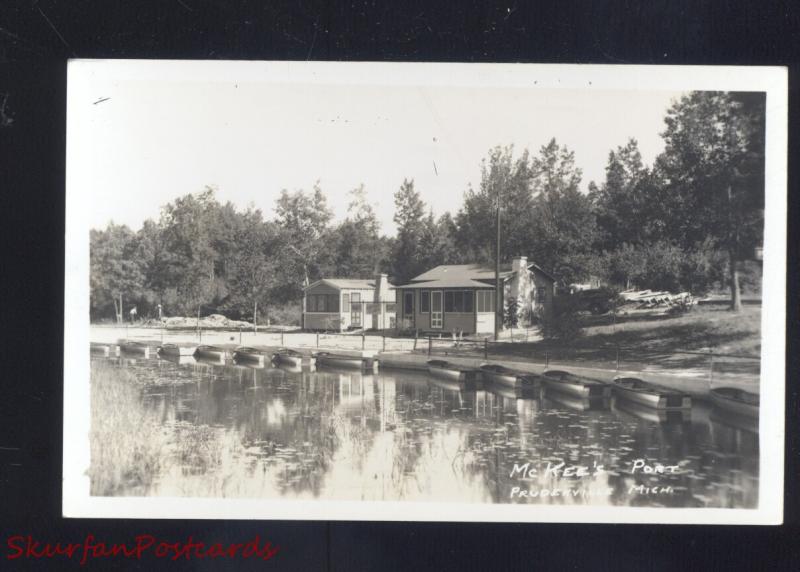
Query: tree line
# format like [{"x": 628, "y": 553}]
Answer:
[{"x": 688, "y": 222}]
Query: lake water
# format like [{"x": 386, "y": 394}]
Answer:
[{"x": 398, "y": 435}]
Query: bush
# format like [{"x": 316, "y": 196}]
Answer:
[
  {"x": 287, "y": 315},
  {"x": 562, "y": 321}
]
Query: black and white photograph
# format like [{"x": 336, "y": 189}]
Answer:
[{"x": 425, "y": 292}]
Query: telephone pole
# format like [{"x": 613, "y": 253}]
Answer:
[{"x": 497, "y": 293}]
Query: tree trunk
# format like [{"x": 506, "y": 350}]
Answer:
[
  {"x": 736, "y": 295},
  {"x": 255, "y": 317},
  {"x": 198, "y": 319}
]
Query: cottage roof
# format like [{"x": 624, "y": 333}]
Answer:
[
  {"x": 449, "y": 282},
  {"x": 464, "y": 276},
  {"x": 451, "y": 272},
  {"x": 347, "y": 283}
]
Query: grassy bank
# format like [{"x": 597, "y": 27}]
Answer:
[
  {"x": 127, "y": 441},
  {"x": 648, "y": 339}
]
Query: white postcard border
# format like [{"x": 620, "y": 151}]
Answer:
[{"x": 88, "y": 78}]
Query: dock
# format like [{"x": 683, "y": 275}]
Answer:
[{"x": 695, "y": 383}]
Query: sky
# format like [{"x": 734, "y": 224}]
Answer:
[{"x": 154, "y": 140}]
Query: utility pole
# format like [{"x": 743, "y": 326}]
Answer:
[{"x": 497, "y": 293}]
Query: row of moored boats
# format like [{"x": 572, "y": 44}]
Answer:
[
  {"x": 241, "y": 355},
  {"x": 632, "y": 389}
]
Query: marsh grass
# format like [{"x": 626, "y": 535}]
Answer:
[
  {"x": 132, "y": 449},
  {"x": 127, "y": 441}
]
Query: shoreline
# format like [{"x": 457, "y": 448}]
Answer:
[{"x": 399, "y": 353}]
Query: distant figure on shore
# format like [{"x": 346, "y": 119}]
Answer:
[
  {"x": 159, "y": 312},
  {"x": 133, "y": 314}
]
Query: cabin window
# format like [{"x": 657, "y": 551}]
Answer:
[
  {"x": 485, "y": 301},
  {"x": 408, "y": 303},
  {"x": 322, "y": 303},
  {"x": 458, "y": 301},
  {"x": 346, "y": 302},
  {"x": 424, "y": 302},
  {"x": 468, "y": 301},
  {"x": 541, "y": 294},
  {"x": 333, "y": 303}
]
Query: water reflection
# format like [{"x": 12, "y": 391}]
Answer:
[{"x": 281, "y": 432}]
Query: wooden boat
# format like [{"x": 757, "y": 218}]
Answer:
[
  {"x": 650, "y": 395},
  {"x": 293, "y": 358},
  {"x": 735, "y": 400},
  {"x": 576, "y": 385},
  {"x": 130, "y": 347},
  {"x": 249, "y": 356},
  {"x": 210, "y": 354},
  {"x": 344, "y": 361},
  {"x": 502, "y": 375},
  {"x": 176, "y": 350},
  {"x": 446, "y": 370}
]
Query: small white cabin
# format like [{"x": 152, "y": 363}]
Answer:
[{"x": 349, "y": 304}]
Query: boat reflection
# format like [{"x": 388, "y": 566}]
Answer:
[
  {"x": 734, "y": 421},
  {"x": 576, "y": 403},
  {"x": 519, "y": 392},
  {"x": 177, "y": 359},
  {"x": 652, "y": 415}
]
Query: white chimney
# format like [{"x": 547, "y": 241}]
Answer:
[
  {"x": 381, "y": 288},
  {"x": 519, "y": 264}
]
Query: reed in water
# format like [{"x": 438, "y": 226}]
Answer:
[{"x": 127, "y": 441}]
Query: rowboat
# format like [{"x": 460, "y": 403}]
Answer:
[
  {"x": 344, "y": 361},
  {"x": 576, "y": 385},
  {"x": 130, "y": 347},
  {"x": 292, "y": 358},
  {"x": 176, "y": 350},
  {"x": 103, "y": 349},
  {"x": 210, "y": 354},
  {"x": 735, "y": 400},
  {"x": 650, "y": 394},
  {"x": 502, "y": 375},
  {"x": 249, "y": 356},
  {"x": 446, "y": 370}
]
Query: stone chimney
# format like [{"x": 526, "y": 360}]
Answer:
[{"x": 519, "y": 263}]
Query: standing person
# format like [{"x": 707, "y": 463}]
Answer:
[
  {"x": 159, "y": 312},
  {"x": 133, "y": 314}
]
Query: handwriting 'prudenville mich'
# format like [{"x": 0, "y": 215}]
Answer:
[{"x": 25, "y": 546}]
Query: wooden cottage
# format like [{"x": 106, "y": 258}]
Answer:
[
  {"x": 347, "y": 303},
  {"x": 461, "y": 297}
]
